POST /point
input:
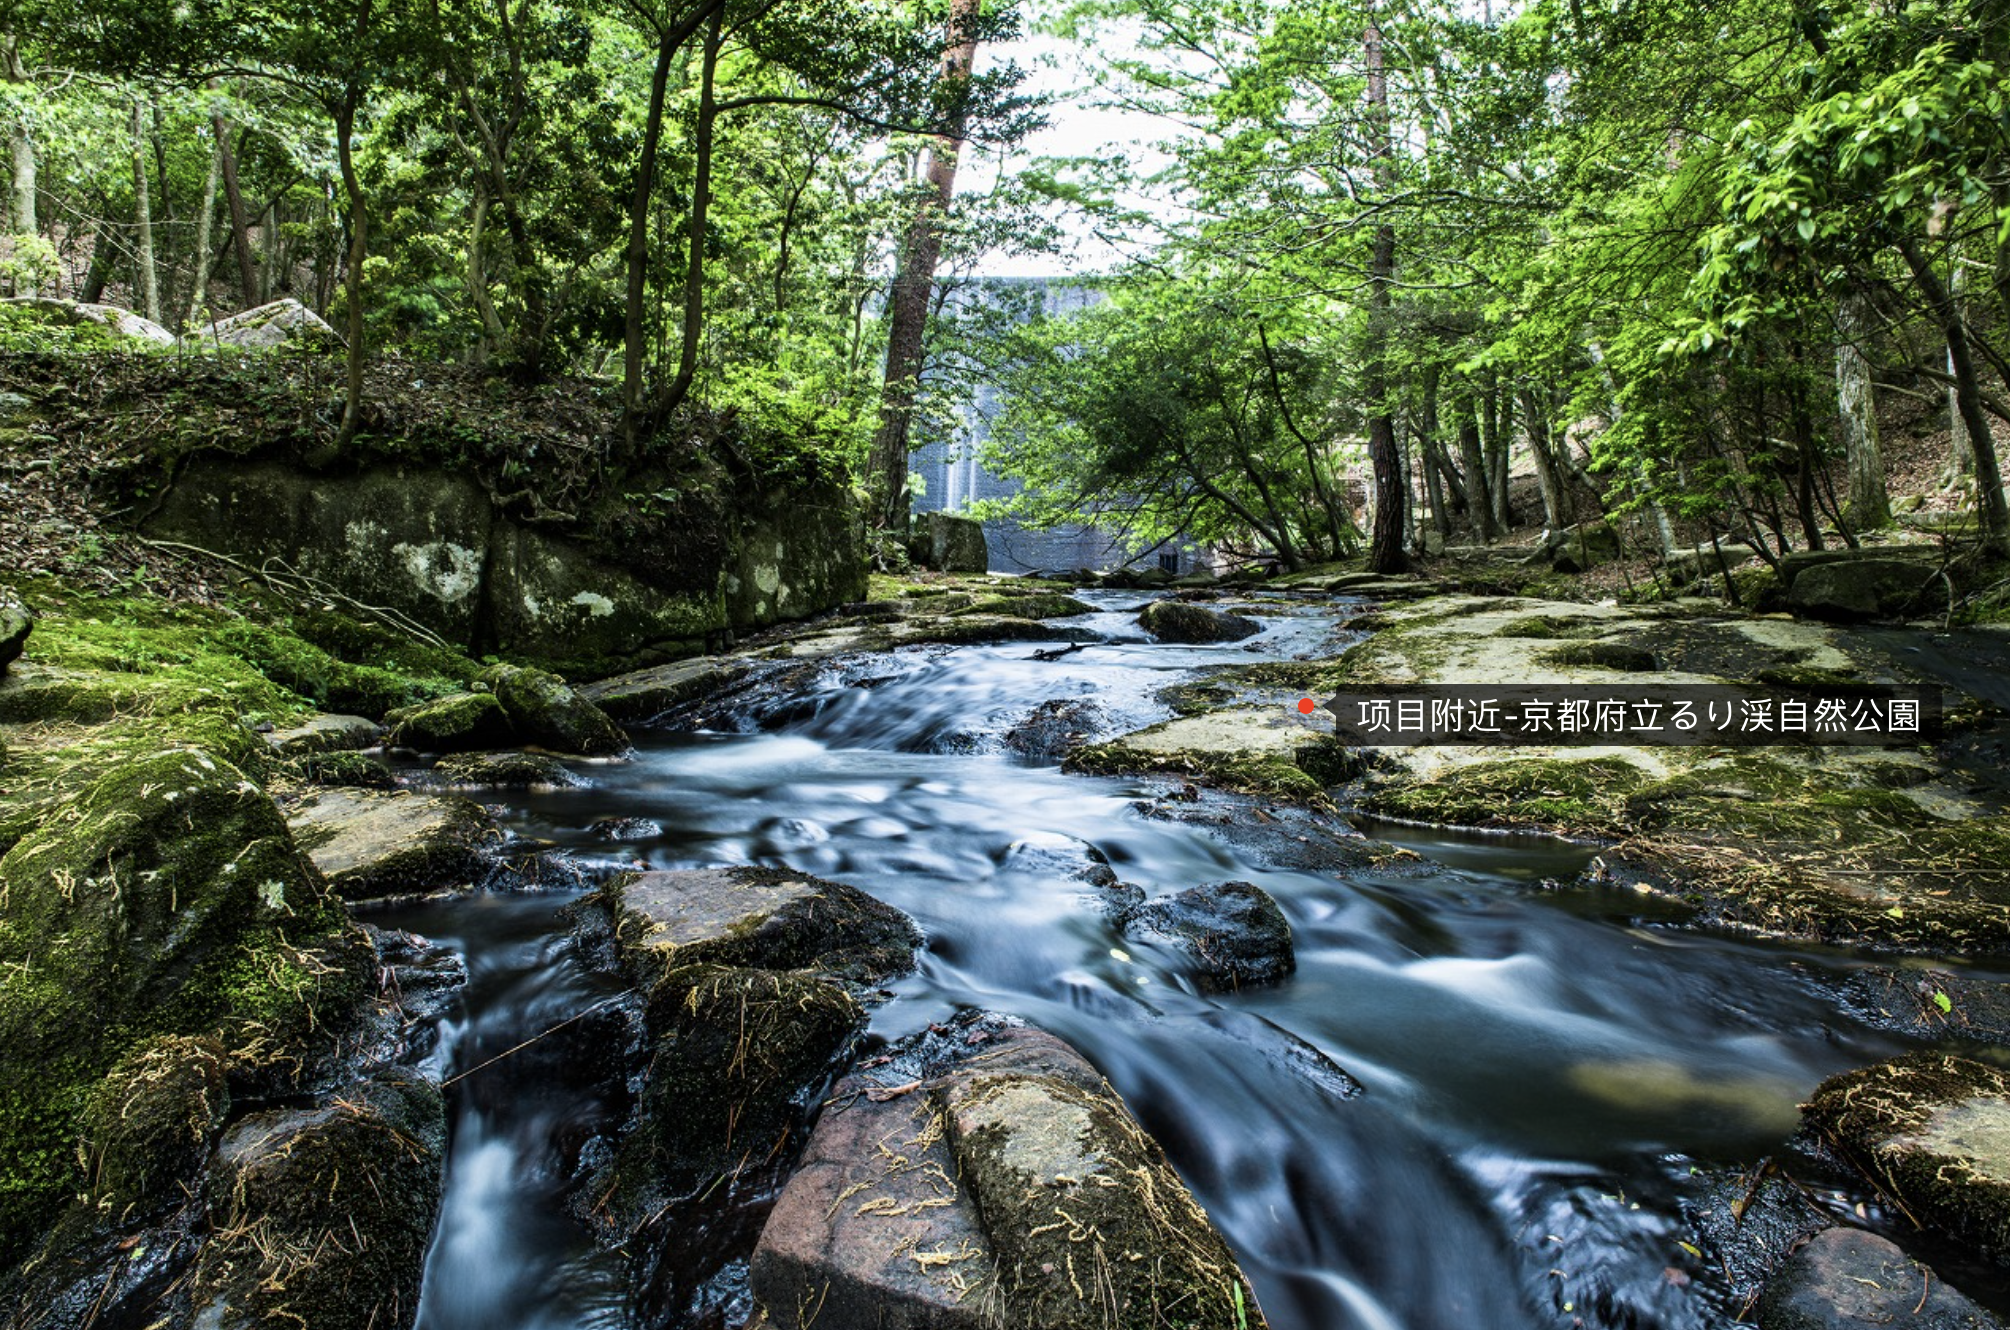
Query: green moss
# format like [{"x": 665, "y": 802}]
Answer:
[
  {"x": 150, "y": 1123},
  {"x": 1584, "y": 795},
  {"x": 1265, "y": 777},
  {"x": 1042, "y": 605},
  {"x": 1604, "y": 656},
  {"x": 453, "y": 724},
  {"x": 342, "y": 768},
  {"x": 166, "y": 898},
  {"x": 1196, "y": 699}
]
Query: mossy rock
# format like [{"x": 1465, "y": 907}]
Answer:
[
  {"x": 545, "y": 710},
  {"x": 1264, "y": 775},
  {"x": 16, "y": 622},
  {"x": 358, "y": 770},
  {"x": 1179, "y": 621},
  {"x": 457, "y": 724},
  {"x": 1933, "y": 1131},
  {"x": 736, "y": 1076},
  {"x": 1560, "y": 794},
  {"x": 167, "y": 898},
  {"x": 321, "y": 1216},
  {"x": 1232, "y": 932},
  {"x": 373, "y": 845},
  {"x": 505, "y": 771},
  {"x": 1196, "y": 699},
  {"x": 1042, "y": 605},
  {"x": 1605, "y": 656},
  {"x": 150, "y": 1124}
]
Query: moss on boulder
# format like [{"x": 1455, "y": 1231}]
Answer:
[
  {"x": 150, "y": 1123},
  {"x": 456, "y": 724},
  {"x": 372, "y": 845},
  {"x": 167, "y": 898},
  {"x": 16, "y": 622},
  {"x": 545, "y": 710},
  {"x": 505, "y": 771},
  {"x": 321, "y": 1216},
  {"x": 1179, "y": 621}
]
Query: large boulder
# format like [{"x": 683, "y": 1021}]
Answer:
[
  {"x": 544, "y": 710},
  {"x": 1845, "y": 1278},
  {"x": 166, "y": 899},
  {"x": 284, "y": 322},
  {"x": 1860, "y": 588},
  {"x": 73, "y": 314},
  {"x": 1181, "y": 621},
  {"x": 326, "y": 734},
  {"x": 321, "y": 1216},
  {"x": 949, "y": 544},
  {"x": 16, "y": 622},
  {"x": 1932, "y": 1130},
  {"x": 644, "y": 694},
  {"x": 371, "y": 843},
  {"x": 1232, "y": 932},
  {"x": 986, "y": 1176},
  {"x": 1580, "y": 548},
  {"x": 458, "y": 724}
]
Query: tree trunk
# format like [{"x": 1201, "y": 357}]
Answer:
[
  {"x": 1556, "y": 510},
  {"x": 240, "y": 225},
  {"x": 1495, "y": 442},
  {"x": 1989, "y": 503},
  {"x": 1869, "y": 505},
  {"x": 143, "y": 207},
  {"x": 359, "y": 251},
  {"x": 1339, "y": 526},
  {"x": 22, "y": 145},
  {"x": 701, "y": 201},
  {"x": 1385, "y": 549},
  {"x": 478, "y": 279},
  {"x": 205, "y": 223},
  {"x": 907, "y": 307},
  {"x": 1427, "y": 450},
  {"x": 638, "y": 247},
  {"x": 1960, "y": 448},
  {"x": 1479, "y": 492}
]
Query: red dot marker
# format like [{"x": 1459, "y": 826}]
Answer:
[{"x": 1306, "y": 706}]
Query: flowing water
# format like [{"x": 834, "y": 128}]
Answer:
[{"x": 1547, "y": 1077}]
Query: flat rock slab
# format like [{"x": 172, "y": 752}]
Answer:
[
  {"x": 1933, "y": 1130},
  {"x": 651, "y": 692},
  {"x": 760, "y": 918},
  {"x": 928, "y": 1194},
  {"x": 371, "y": 844},
  {"x": 1257, "y": 731},
  {"x": 327, "y": 734},
  {"x": 1845, "y": 1278}
]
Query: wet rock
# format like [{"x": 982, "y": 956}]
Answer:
[
  {"x": 1933, "y": 1130},
  {"x": 644, "y": 694},
  {"x": 1019, "y": 605},
  {"x": 625, "y": 829},
  {"x": 370, "y": 845},
  {"x": 355, "y": 769},
  {"x": 419, "y": 982},
  {"x": 1746, "y": 1226},
  {"x": 283, "y": 322},
  {"x": 16, "y": 622},
  {"x": 949, "y": 544},
  {"x": 166, "y": 899},
  {"x": 757, "y": 917},
  {"x": 1233, "y": 933},
  {"x": 326, "y": 734},
  {"x": 1861, "y": 588},
  {"x": 545, "y": 710},
  {"x": 930, "y": 1190},
  {"x": 1054, "y": 727},
  {"x": 321, "y": 1216},
  {"x": 506, "y": 771},
  {"x": 1180, "y": 621},
  {"x": 1845, "y": 1278},
  {"x": 150, "y": 1123},
  {"x": 1931, "y": 1003},
  {"x": 457, "y": 724}
]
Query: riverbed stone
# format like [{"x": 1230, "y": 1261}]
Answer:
[
  {"x": 1846, "y": 1278},
  {"x": 544, "y": 710},
  {"x": 1182, "y": 621},
  {"x": 931, "y": 1189},
  {"x": 1232, "y": 932},
  {"x": 321, "y": 1215},
  {"x": 764, "y": 918},
  {"x": 644, "y": 694},
  {"x": 949, "y": 544},
  {"x": 1933, "y": 1130},
  {"x": 326, "y": 733},
  {"x": 371, "y": 844},
  {"x": 456, "y": 724},
  {"x": 511, "y": 770}
]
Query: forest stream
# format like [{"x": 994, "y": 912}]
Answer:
[{"x": 1548, "y": 1080}]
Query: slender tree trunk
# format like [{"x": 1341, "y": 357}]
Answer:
[
  {"x": 1804, "y": 477},
  {"x": 701, "y": 202},
  {"x": 478, "y": 279},
  {"x": 1479, "y": 493},
  {"x": 205, "y": 221},
  {"x": 1427, "y": 450},
  {"x": 638, "y": 247},
  {"x": 22, "y": 146},
  {"x": 1339, "y": 526},
  {"x": 1556, "y": 511},
  {"x": 1869, "y": 505},
  {"x": 359, "y": 252},
  {"x": 907, "y": 308},
  {"x": 1497, "y": 421},
  {"x": 1385, "y": 550},
  {"x": 142, "y": 203},
  {"x": 1989, "y": 502},
  {"x": 1960, "y": 448},
  {"x": 240, "y": 224}
]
